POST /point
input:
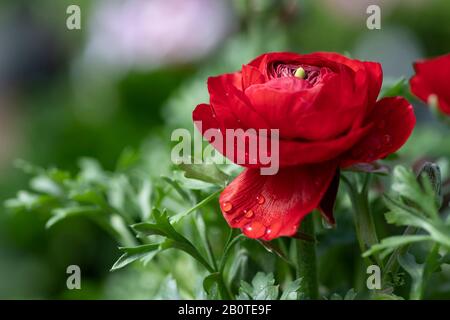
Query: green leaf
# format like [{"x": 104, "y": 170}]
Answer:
[
  {"x": 28, "y": 201},
  {"x": 161, "y": 227},
  {"x": 144, "y": 199},
  {"x": 262, "y": 288},
  {"x": 386, "y": 296},
  {"x": 91, "y": 171},
  {"x": 388, "y": 245},
  {"x": 44, "y": 184},
  {"x": 127, "y": 159},
  {"x": 207, "y": 172},
  {"x": 291, "y": 291},
  {"x": 187, "y": 247},
  {"x": 181, "y": 215},
  {"x": 415, "y": 270},
  {"x": 63, "y": 213},
  {"x": 88, "y": 196},
  {"x": 144, "y": 253},
  {"x": 183, "y": 193},
  {"x": 394, "y": 88},
  {"x": 211, "y": 285},
  {"x": 351, "y": 294}
]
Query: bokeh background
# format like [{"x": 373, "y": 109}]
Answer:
[{"x": 134, "y": 72}]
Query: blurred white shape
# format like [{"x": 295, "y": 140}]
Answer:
[{"x": 149, "y": 33}]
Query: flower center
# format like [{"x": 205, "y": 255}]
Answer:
[{"x": 312, "y": 74}]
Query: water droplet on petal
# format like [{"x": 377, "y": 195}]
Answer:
[
  {"x": 260, "y": 199},
  {"x": 248, "y": 214},
  {"x": 227, "y": 206},
  {"x": 273, "y": 231},
  {"x": 254, "y": 229},
  {"x": 386, "y": 139},
  {"x": 236, "y": 220}
]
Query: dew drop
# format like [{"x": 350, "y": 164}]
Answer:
[
  {"x": 260, "y": 199},
  {"x": 248, "y": 214},
  {"x": 227, "y": 206},
  {"x": 254, "y": 229},
  {"x": 273, "y": 231},
  {"x": 386, "y": 139}
]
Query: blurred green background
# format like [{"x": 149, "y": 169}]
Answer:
[{"x": 134, "y": 72}]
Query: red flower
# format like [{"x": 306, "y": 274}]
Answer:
[
  {"x": 432, "y": 81},
  {"x": 328, "y": 118}
]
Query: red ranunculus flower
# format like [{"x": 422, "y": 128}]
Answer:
[
  {"x": 328, "y": 118},
  {"x": 432, "y": 81}
]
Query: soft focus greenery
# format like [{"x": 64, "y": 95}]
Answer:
[{"x": 88, "y": 159}]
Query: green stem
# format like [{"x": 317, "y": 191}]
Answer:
[
  {"x": 392, "y": 264},
  {"x": 364, "y": 225},
  {"x": 418, "y": 287},
  {"x": 306, "y": 261}
]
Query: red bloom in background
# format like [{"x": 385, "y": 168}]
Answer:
[
  {"x": 432, "y": 81},
  {"x": 325, "y": 107}
]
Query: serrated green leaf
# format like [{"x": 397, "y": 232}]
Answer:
[
  {"x": 144, "y": 252},
  {"x": 291, "y": 291},
  {"x": 161, "y": 227},
  {"x": 261, "y": 288},
  {"x": 183, "y": 193}
]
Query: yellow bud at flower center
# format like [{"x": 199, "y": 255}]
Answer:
[{"x": 300, "y": 73}]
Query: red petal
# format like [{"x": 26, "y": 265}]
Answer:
[
  {"x": 393, "y": 121},
  {"x": 299, "y": 153},
  {"x": 268, "y": 207},
  {"x": 251, "y": 76},
  {"x": 432, "y": 78},
  {"x": 228, "y": 102},
  {"x": 291, "y": 152},
  {"x": 375, "y": 80},
  {"x": 326, "y": 205}
]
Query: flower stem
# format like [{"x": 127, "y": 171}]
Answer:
[
  {"x": 364, "y": 225},
  {"x": 306, "y": 261}
]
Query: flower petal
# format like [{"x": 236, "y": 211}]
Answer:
[
  {"x": 251, "y": 76},
  {"x": 328, "y": 201},
  {"x": 268, "y": 207},
  {"x": 228, "y": 101},
  {"x": 431, "y": 78},
  {"x": 393, "y": 122}
]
